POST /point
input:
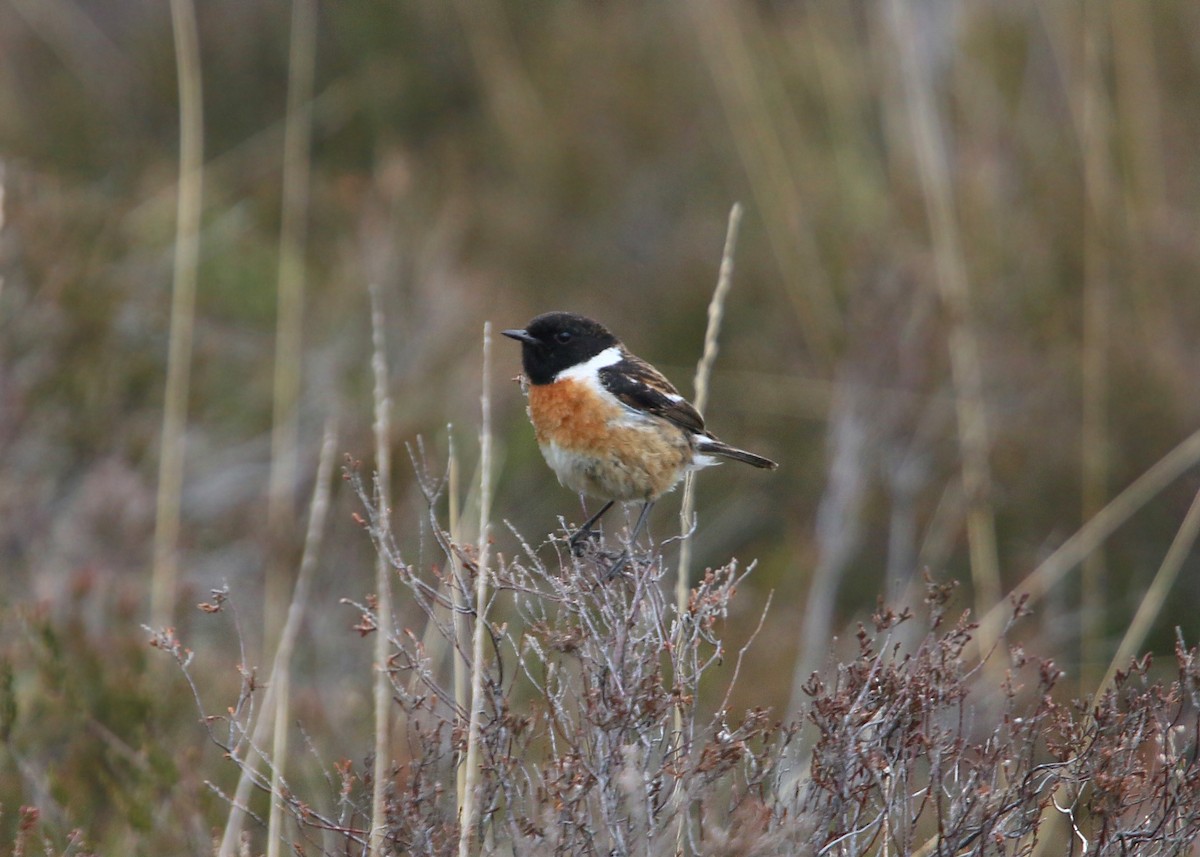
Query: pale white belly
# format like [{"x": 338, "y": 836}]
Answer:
[{"x": 617, "y": 475}]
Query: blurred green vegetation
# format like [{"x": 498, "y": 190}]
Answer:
[{"x": 494, "y": 161}]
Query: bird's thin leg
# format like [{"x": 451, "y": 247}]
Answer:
[
  {"x": 623, "y": 559},
  {"x": 641, "y": 521},
  {"x": 585, "y": 532}
]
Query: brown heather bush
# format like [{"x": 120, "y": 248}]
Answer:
[
  {"x": 595, "y": 742},
  {"x": 915, "y": 754}
]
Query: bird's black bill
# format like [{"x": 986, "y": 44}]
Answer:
[{"x": 520, "y": 336}]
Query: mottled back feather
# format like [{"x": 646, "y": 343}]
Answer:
[{"x": 642, "y": 387}]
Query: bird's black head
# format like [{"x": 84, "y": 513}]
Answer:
[{"x": 559, "y": 340}]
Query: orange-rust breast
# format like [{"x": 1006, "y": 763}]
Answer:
[
  {"x": 567, "y": 413},
  {"x": 595, "y": 447}
]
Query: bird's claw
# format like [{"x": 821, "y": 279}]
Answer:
[
  {"x": 581, "y": 541},
  {"x": 622, "y": 562}
]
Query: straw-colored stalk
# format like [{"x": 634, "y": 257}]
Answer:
[
  {"x": 290, "y": 315},
  {"x": 270, "y": 714},
  {"x": 183, "y": 305},
  {"x": 1093, "y": 533},
  {"x": 383, "y": 589},
  {"x": 509, "y": 94},
  {"x": 1155, "y": 597},
  {"x": 716, "y": 312},
  {"x": 954, "y": 290},
  {"x": 1138, "y": 108},
  {"x": 462, "y": 630},
  {"x": 1, "y": 214},
  {"x": 767, "y": 137},
  {"x": 1097, "y": 236},
  {"x": 433, "y": 642},
  {"x": 468, "y": 809},
  {"x": 281, "y": 670},
  {"x": 1091, "y": 116}
]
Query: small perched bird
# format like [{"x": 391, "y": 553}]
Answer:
[{"x": 608, "y": 423}]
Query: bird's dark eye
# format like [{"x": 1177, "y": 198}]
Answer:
[{"x": 563, "y": 337}]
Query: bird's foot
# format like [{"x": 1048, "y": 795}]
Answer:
[
  {"x": 619, "y": 565},
  {"x": 583, "y": 539},
  {"x": 625, "y": 561}
]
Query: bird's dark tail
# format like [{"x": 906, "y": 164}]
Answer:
[{"x": 716, "y": 447}]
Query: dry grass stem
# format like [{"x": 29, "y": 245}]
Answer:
[
  {"x": 1139, "y": 105},
  {"x": 290, "y": 311},
  {"x": 716, "y": 311},
  {"x": 183, "y": 304},
  {"x": 1156, "y": 596},
  {"x": 462, "y": 627},
  {"x": 468, "y": 810},
  {"x": 251, "y": 741},
  {"x": 1094, "y": 137},
  {"x": 1093, "y": 533},
  {"x": 281, "y": 669},
  {"x": 2, "y": 169},
  {"x": 730, "y": 43},
  {"x": 509, "y": 94},
  {"x": 954, "y": 289},
  {"x": 383, "y": 590}
]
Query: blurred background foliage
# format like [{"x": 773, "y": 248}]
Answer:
[{"x": 492, "y": 160}]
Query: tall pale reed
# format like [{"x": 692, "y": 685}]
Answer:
[{"x": 183, "y": 307}]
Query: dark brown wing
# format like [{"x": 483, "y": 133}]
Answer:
[{"x": 642, "y": 387}]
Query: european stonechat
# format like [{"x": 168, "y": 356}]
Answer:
[{"x": 608, "y": 423}]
